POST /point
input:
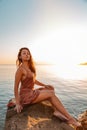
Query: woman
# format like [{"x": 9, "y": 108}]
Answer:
[{"x": 25, "y": 79}]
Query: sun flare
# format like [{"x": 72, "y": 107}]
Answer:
[{"x": 64, "y": 46}]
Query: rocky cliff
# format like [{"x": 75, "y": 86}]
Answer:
[{"x": 34, "y": 117}]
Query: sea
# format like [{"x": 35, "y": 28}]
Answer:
[{"x": 70, "y": 84}]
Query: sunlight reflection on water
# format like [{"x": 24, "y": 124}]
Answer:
[{"x": 70, "y": 72}]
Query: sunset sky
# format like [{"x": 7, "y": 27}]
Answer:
[{"x": 55, "y": 31}]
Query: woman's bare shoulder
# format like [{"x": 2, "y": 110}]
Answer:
[{"x": 19, "y": 70}]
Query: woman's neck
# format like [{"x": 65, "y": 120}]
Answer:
[{"x": 25, "y": 64}]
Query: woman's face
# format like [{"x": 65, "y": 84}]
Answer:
[{"x": 25, "y": 55}]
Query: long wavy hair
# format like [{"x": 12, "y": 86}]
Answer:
[{"x": 30, "y": 62}]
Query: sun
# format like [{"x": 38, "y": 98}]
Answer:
[{"x": 64, "y": 46}]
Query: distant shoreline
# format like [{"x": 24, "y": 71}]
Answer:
[
  {"x": 35, "y": 64},
  {"x": 85, "y": 63}
]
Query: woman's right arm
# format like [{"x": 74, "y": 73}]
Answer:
[{"x": 18, "y": 76}]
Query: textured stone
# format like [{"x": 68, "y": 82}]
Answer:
[{"x": 34, "y": 117}]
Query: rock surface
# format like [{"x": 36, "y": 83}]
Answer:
[
  {"x": 83, "y": 119},
  {"x": 34, "y": 117}
]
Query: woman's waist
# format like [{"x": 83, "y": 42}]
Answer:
[
  {"x": 27, "y": 85},
  {"x": 25, "y": 88}
]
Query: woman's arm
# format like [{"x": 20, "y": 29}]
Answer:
[
  {"x": 18, "y": 76},
  {"x": 39, "y": 83},
  {"x": 44, "y": 85}
]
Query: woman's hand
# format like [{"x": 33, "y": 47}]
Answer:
[
  {"x": 18, "y": 108},
  {"x": 49, "y": 87}
]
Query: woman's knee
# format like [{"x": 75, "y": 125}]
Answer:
[{"x": 51, "y": 93}]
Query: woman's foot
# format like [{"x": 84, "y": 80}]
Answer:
[
  {"x": 60, "y": 116},
  {"x": 74, "y": 123}
]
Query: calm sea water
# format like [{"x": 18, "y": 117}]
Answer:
[{"x": 70, "y": 86}]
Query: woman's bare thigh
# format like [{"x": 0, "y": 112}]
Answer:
[{"x": 43, "y": 95}]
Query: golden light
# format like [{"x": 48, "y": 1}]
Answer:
[
  {"x": 65, "y": 48},
  {"x": 60, "y": 47}
]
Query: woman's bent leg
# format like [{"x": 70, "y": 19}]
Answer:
[{"x": 50, "y": 95}]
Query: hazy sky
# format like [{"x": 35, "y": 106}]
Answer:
[{"x": 54, "y": 30}]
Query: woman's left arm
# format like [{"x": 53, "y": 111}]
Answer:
[
  {"x": 39, "y": 83},
  {"x": 44, "y": 85}
]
